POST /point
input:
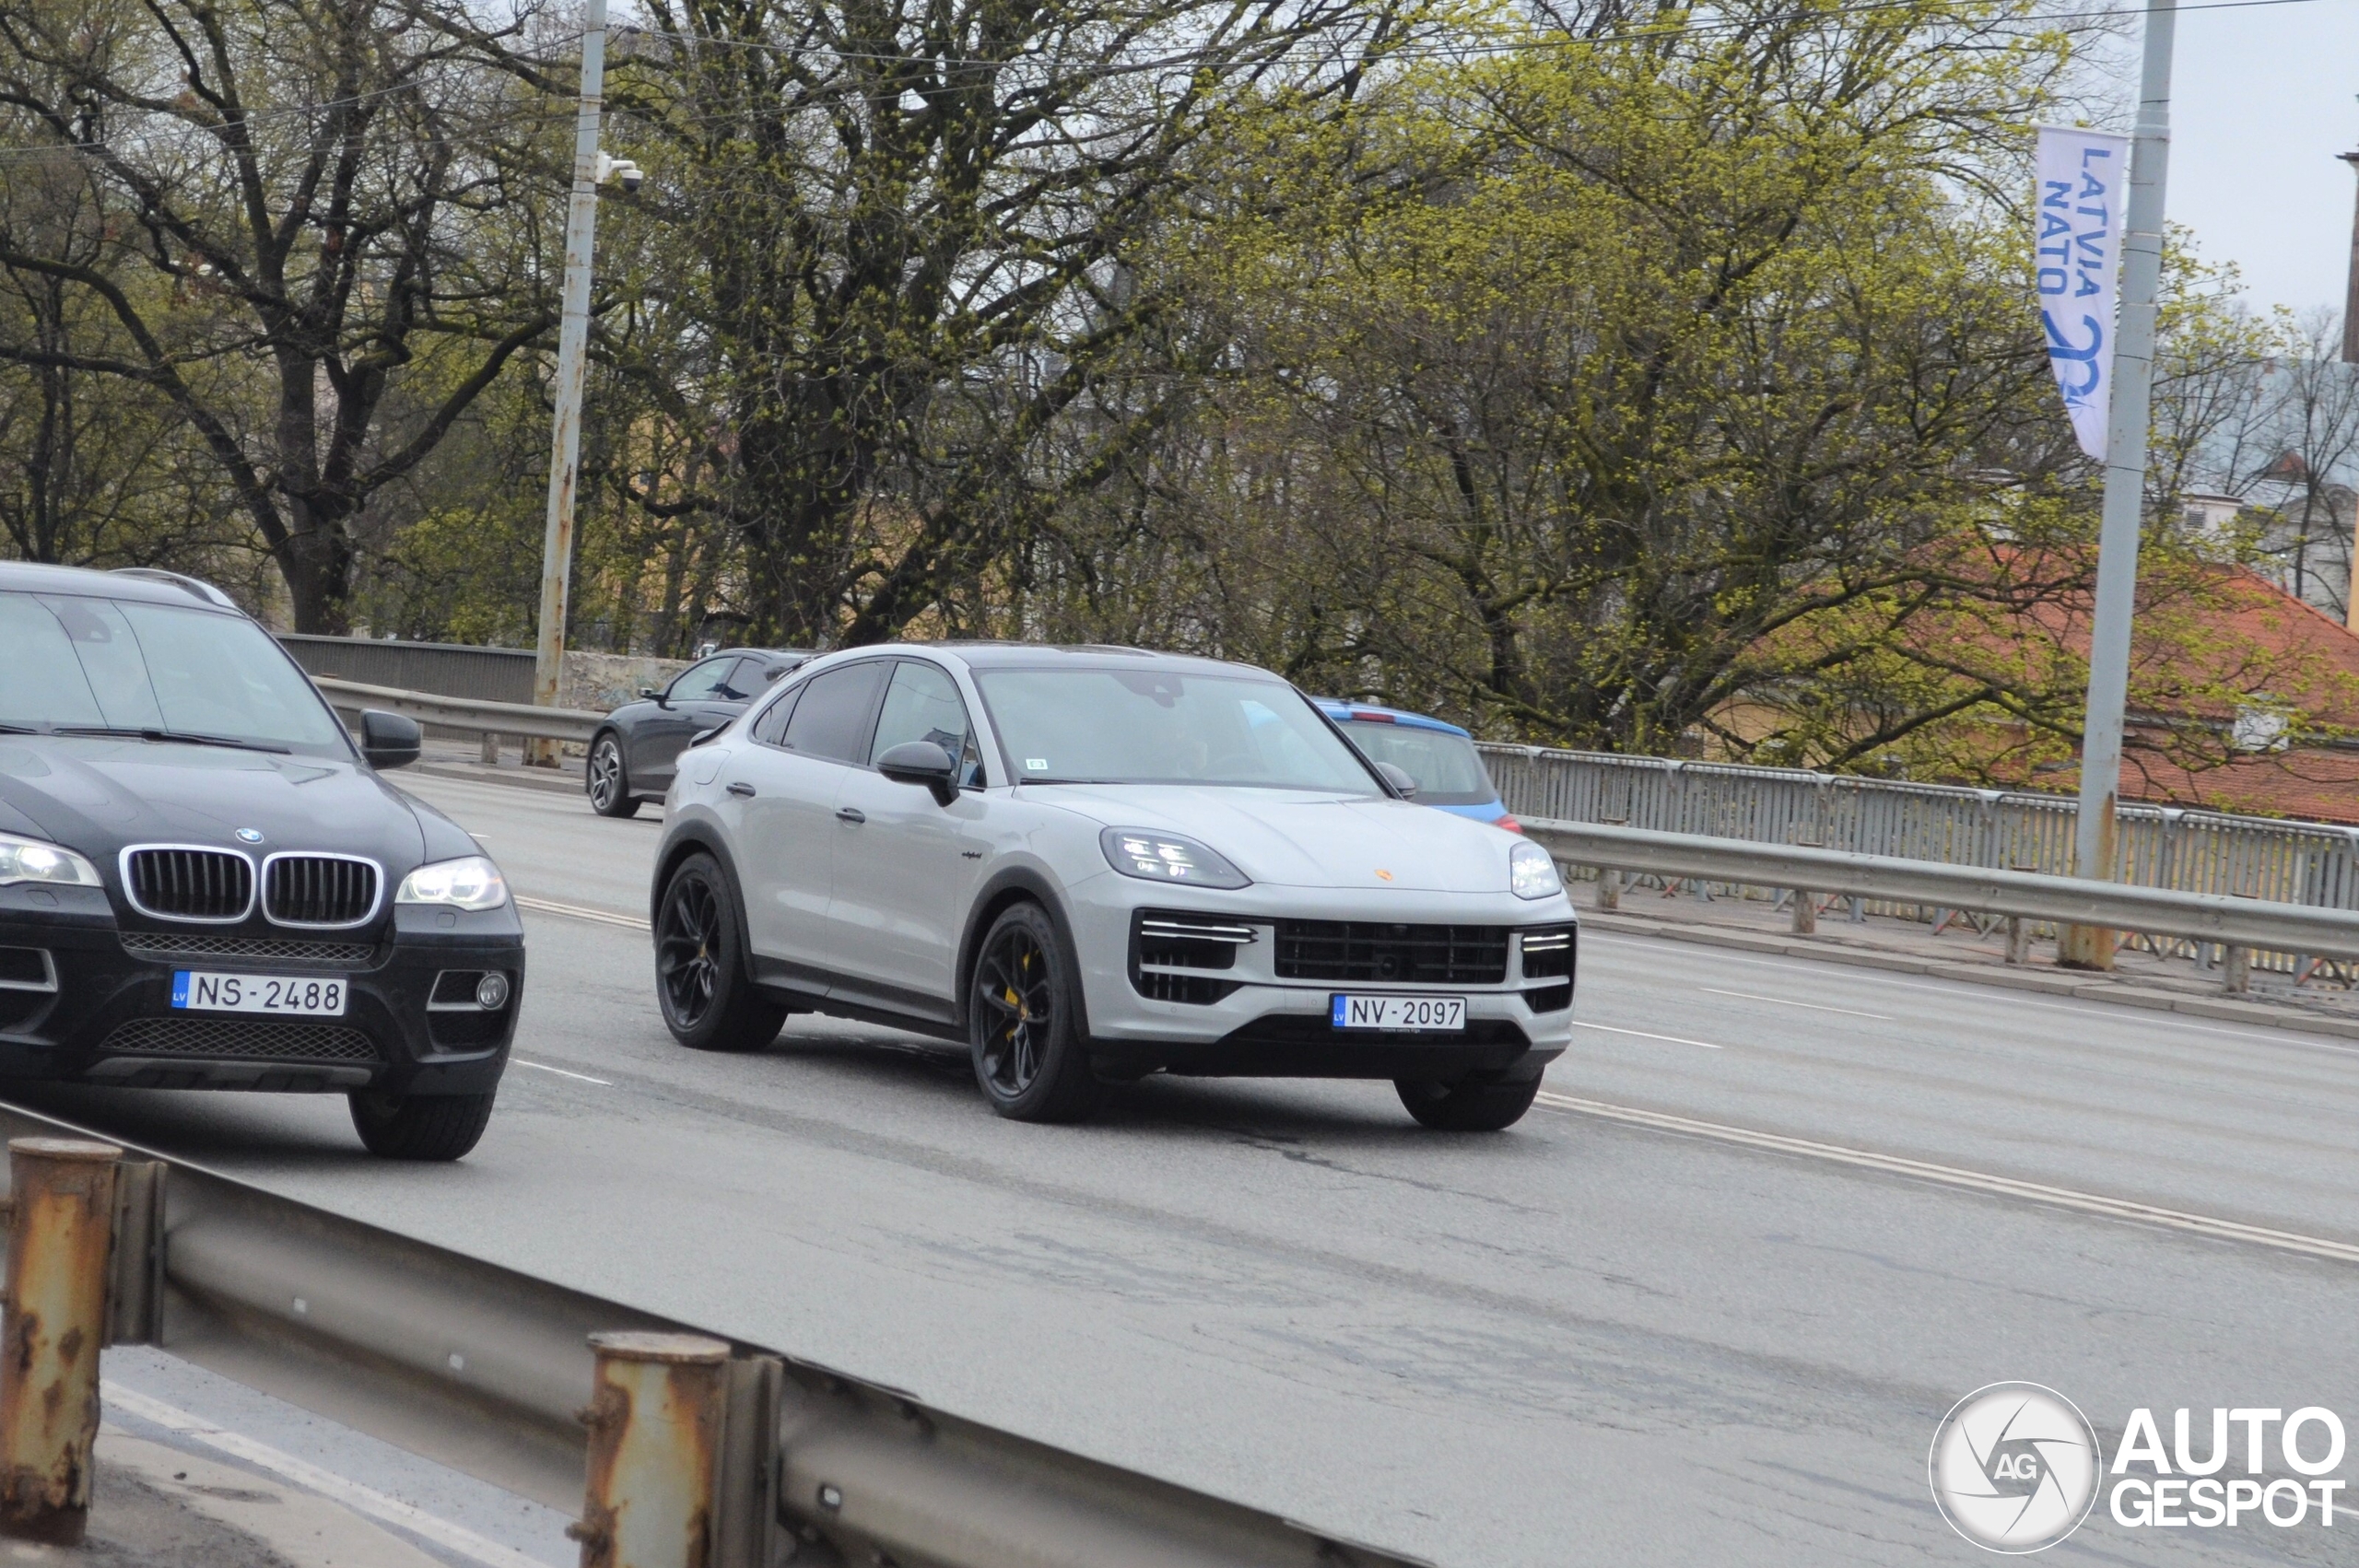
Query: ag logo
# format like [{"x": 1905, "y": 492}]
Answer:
[{"x": 2014, "y": 1468}]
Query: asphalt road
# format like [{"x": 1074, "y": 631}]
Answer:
[{"x": 1629, "y": 1333}]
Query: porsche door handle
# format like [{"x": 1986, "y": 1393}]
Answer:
[
  {"x": 853, "y": 815},
  {"x": 742, "y": 789}
]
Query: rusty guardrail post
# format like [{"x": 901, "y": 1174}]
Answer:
[
  {"x": 655, "y": 1418},
  {"x": 61, "y": 1236}
]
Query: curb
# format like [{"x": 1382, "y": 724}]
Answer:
[{"x": 2218, "y": 1009}]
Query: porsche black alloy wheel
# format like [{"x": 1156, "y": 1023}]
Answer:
[
  {"x": 608, "y": 779},
  {"x": 710, "y": 1003},
  {"x": 1023, "y": 1019}
]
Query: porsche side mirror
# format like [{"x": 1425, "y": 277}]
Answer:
[
  {"x": 1397, "y": 776},
  {"x": 701, "y": 736},
  {"x": 388, "y": 740},
  {"x": 921, "y": 762},
  {"x": 650, "y": 693}
]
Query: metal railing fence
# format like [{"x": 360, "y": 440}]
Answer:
[
  {"x": 2191, "y": 850},
  {"x": 490, "y": 675}
]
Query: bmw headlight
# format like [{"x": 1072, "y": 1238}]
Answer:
[
  {"x": 1531, "y": 872},
  {"x": 1166, "y": 857},
  {"x": 471, "y": 881},
  {"x": 30, "y": 859}
]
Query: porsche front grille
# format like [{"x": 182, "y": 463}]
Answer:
[{"x": 1380, "y": 950}]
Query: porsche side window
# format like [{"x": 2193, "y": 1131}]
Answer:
[
  {"x": 923, "y": 704},
  {"x": 769, "y": 730},
  {"x": 832, "y": 718}
]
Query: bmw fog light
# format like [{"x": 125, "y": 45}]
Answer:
[
  {"x": 492, "y": 991},
  {"x": 1531, "y": 872}
]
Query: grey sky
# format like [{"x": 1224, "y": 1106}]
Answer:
[{"x": 2262, "y": 101}]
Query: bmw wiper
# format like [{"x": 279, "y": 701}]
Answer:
[
  {"x": 182, "y": 736},
  {"x": 19, "y": 729}
]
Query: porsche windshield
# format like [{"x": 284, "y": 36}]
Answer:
[
  {"x": 74, "y": 665},
  {"x": 1160, "y": 726}
]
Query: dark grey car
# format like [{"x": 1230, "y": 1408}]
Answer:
[{"x": 632, "y": 756}]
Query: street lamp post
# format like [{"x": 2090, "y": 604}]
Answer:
[
  {"x": 572, "y": 352},
  {"x": 2095, "y": 849}
]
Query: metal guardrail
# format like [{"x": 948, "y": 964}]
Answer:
[
  {"x": 488, "y": 674},
  {"x": 2198, "y": 917},
  {"x": 470, "y": 715},
  {"x": 487, "y": 1370},
  {"x": 2191, "y": 850},
  {"x": 2195, "y": 851}
]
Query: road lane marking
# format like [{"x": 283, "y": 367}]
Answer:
[
  {"x": 581, "y": 912},
  {"x": 455, "y": 1539},
  {"x": 1781, "y": 1001},
  {"x": 561, "y": 1072},
  {"x": 1643, "y": 1034},
  {"x": 1973, "y": 1181}
]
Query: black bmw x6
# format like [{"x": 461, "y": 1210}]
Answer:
[{"x": 205, "y": 884}]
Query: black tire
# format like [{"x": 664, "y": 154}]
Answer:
[
  {"x": 419, "y": 1126},
  {"x": 709, "y": 1000},
  {"x": 607, "y": 779},
  {"x": 1023, "y": 1022},
  {"x": 1481, "y": 1102}
]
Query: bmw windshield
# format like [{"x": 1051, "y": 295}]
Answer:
[
  {"x": 1158, "y": 726},
  {"x": 71, "y": 665}
]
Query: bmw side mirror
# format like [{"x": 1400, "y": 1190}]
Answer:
[
  {"x": 650, "y": 693},
  {"x": 1397, "y": 776},
  {"x": 388, "y": 739},
  {"x": 921, "y": 762}
]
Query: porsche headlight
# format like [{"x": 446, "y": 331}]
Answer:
[
  {"x": 471, "y": 881},
  {"x": 1531, "y": 872},
  {"x": 30, "y": 859},
  {"x": 1166, "y": 857}
]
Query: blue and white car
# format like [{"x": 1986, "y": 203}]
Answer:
[
  {"x": 1438, "y": 754},
  {"x": 1089, "y": 865}
]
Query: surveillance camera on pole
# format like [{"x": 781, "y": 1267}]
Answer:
[{"x": 622, "y": 171}]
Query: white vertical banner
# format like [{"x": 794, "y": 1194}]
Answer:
[{"x": 2083, "y": 186}]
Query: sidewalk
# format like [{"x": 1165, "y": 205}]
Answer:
[
  {"x": 1960, "y": 952},
  {"x": 152, "y": 1506}
]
